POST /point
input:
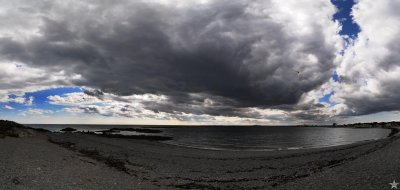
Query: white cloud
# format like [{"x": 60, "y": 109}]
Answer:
[
  {"x": 134, "y": 106},
  {"x": 29, "y": 101},
  {"x": 5, "y": 98},
  {"x": 73, "y": 110},
  {"x": 370, "y": 69},
  {"x": 75, "y": 99},
  {"x": 8, "y": 107},
  {"x": 37, "y": 112},
  {"x": 18, "y": 78}
]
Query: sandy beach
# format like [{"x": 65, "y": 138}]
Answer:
[{"x": 42, "y": 160}]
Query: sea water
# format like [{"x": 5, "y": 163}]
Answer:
[{"x": 256, "y": 138}]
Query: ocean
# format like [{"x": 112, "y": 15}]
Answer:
[{"x": 255, "y": 138}]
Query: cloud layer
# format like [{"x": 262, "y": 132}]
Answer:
[
  {"x": 267, "y": 60},
  {"x": 235, "y": 54},
  {"x": 370, "y": 69}
]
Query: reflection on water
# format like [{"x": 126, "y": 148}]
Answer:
[
  {"x": 268, "y": 138},
  {"x": 248, "y": 137}
]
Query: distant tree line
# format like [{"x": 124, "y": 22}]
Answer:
[{"x": 370, "y": 125}]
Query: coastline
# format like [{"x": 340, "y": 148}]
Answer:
[
  {"x": 171, "y": 167},
  {"x": 164, "y": 135},
  {"x": 82, "y": 161}
]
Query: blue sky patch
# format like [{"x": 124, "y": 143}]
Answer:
[
  {"x": 326, "y": 97},
  {"x": 40, "y": 97},
  {"x": 40, "y": 100},
  {"x": 343, "y": 15},
  {"x": 335, "y": 77}
]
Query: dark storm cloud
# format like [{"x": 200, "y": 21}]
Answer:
[
  {"x": 387, "y": 100},
  {"x": 221, "y": 50},
  {"x": 94, "y": 92}
]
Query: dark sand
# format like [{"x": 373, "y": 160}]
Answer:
[{"x": 82, "y": 161}]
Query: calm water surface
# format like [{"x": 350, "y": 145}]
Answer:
[
  {"x": 251, "y": 137},
  {"x": 270, "y": 138}
]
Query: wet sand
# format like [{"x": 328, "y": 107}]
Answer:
[{"x": 83, "y": 161}]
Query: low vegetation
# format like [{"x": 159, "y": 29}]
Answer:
[{"x": 13, "y": 129}]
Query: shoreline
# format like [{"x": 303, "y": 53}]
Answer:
[
  {"x": 279, "y": 149},
  {"x": 395, "y": 131},
  {"x": 346, "y": 126},
  {"x": 337, "y": 156},
  {"x": 151, "y": 133},
  {"x": 42, "y": 160}
]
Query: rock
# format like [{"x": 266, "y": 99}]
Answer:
[
  {"x": 68, "y": 129},
  {"x": 16, "y": 181}
]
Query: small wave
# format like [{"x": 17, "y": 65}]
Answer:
[
  {"x": 220, "y": 148},
  {"x": 295, "y": 148}
]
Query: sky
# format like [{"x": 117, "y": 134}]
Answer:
[{"x": 194, "y": 62}]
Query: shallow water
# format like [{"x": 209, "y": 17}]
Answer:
[
  {"x": 269, "y": 138},
  {"x": 258, "y": 138}
]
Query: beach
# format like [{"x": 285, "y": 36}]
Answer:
[{"x": 44, "y": 160}]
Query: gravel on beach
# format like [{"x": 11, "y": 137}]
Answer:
[{"x": 84, "y": 161}]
